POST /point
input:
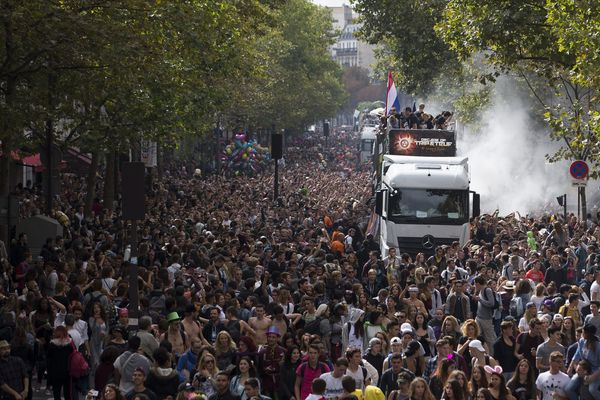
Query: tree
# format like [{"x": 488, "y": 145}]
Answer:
[
  {"x": 535, "y": 40},
  {"x": 294, "y": 80},
  {"x": 422, "y": 62}
]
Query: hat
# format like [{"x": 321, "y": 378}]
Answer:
[
  {"x": 186, "y": 386},
  {"x": 509, "y": 285},
  {"x": 406, "y": 328},
  {"x": 403, "y": 378},
  {"x": 4, "y": 343},
  {"x": 123, "y": 312},
  {"x": 141, "y": 370},
  {"x": 476, "y": 344},
  {"x": 273, "y": 330},
  {"x": 557, "y": 317},
  {"x": 530, "y": 304},
  {"x": 173, "y": 317},
  {"x": 413, "y": 289},
  {"x": 395, "y": 340}
]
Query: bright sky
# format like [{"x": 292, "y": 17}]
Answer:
[{"x": 331, "y": 3}]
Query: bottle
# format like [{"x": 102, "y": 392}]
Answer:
[{"x": 127, "y": 254}]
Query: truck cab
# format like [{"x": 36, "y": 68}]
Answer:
[{"x": 422, "y": 196}]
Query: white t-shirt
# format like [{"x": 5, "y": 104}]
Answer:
[
  {"x": 334, "y": 387},
  {"x": 76, "y": 336},
  {"x": 548, "y": 384},
  {"x": 523, "y": 325},
  {"x": 358, "y": 376},
  {"x": 595, "y": 291}
]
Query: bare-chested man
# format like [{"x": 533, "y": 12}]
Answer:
[{"x": 260, "y": 324}]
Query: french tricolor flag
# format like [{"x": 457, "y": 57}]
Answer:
[{"x": 392, "y": 96}]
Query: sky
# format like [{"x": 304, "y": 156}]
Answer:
[{"x": 331, "y": 3}]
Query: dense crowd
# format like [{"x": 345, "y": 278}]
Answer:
[{"x": 242, "y": 297}]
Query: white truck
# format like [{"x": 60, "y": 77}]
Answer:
[
  {"x": 368, "y": 136},
  {"x": 422, "y": 196}
]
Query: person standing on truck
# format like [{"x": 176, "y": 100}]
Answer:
[{"x": 409, "y": 120}]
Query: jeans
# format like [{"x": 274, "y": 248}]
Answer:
[
  {"x": 574, "y": 386},
  {"x": 487, "y": 331}
]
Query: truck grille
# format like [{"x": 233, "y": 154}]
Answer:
[{"x": 414, "y": 245}]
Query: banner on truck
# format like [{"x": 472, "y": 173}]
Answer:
[{"x": 422, "y": 142}]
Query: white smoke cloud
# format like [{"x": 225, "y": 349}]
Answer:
[{"x": 507, "y": 159}]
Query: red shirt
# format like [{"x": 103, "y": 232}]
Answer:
[
  {"x": 535, "y": 275},
  {"x": 309, "y": 376}
]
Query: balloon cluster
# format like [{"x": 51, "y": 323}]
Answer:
[{"x": 243, "y": 156}]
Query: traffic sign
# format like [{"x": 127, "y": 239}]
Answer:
[
  {"x": 579, "y": 169},
  {"x": 579, "y": 183}
]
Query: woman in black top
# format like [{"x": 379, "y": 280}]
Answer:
[
  {"x": 374, "y": 354},
  {"x": 522, "y": 383},
  {"x": 288, "y": 372},
  {"x": 504, "y": 348},
  {"x": 59, "y": 349}
]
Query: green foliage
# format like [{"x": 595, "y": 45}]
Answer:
[
  {"x": 109, "y": 72},
  {"x": 296, "y": 81},
  {"x": 410, "y": 46}
]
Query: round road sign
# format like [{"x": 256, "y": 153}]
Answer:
[{"x": 579, "y": 169}]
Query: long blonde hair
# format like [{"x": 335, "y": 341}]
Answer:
[
  {"x": 219, "y": 349},
  {"x": 202, "y": 361}
]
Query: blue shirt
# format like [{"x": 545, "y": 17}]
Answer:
[
  {"x": 591, "y": 355},
  {"x": 187, "y": 361}
]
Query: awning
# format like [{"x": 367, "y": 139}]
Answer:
[{"x": 33, "y": 160}]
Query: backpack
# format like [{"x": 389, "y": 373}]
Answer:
[
  {"x": 322, "y": 365},
  {"x": 77, "y": 365},
  {"x": 505, "y": 270},
  {"x": 496, "y": 302},
  {"x": 516, "y": 309},
  {"x": 313, "y": 327}
]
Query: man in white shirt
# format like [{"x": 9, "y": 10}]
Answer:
[
  {"x": 551, "y": 384},
  {"x": 333, "y": 379},
  {"x": 73, "y": 333}
]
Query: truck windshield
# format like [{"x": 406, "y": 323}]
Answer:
[{"x": 429, "y": 206}]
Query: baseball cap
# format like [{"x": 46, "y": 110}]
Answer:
[{"x": 476, "y": 344}]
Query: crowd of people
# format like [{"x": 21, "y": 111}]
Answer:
[
  {"x": 242, "y": 297},
  {"x": 410, "y": 118}
]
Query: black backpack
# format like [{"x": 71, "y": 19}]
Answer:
[
  {"x": 496, "y": 302},
  {"x": 322, "y": 365},
  {"x": 313, "y": 327}
]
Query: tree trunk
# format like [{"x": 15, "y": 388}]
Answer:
[
  {"x": 583, "y": 204},
  {"x": 5, "y": 169},
  {"x": 91, "y": 185},
  {"x": 109, "y": 180},
  {"x": 159, "y": 161}
]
